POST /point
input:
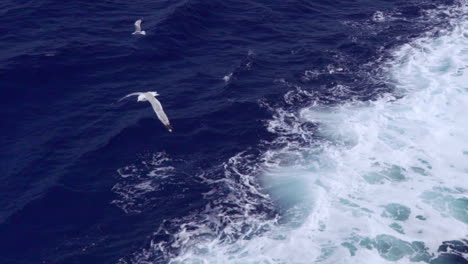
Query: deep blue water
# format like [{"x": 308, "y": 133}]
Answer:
[{"x": 65, "y": 139}]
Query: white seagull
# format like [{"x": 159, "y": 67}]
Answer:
[
  {"x": 138, "y": 30},
  {"x": 157, "y": 107}
]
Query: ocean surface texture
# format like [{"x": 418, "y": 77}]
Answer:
[{"x": 305, "y": 131}]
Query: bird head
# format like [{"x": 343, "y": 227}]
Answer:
[{"x": 141, "y": 98}]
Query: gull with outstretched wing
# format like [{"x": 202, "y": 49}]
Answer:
[{"x": 157, "y": 107}]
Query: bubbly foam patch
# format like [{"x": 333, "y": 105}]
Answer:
[{"x": 139, "y": 182}]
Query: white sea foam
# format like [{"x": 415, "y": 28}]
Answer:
[
  {"x": 388, "y": 173},
  {"x": 137, "y": 181},
  {"x": 378, "y": 16}
]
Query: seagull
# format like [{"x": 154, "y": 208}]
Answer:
[
  {"x": 138, "y": 30},
  {"x": 157, "y": 107}
]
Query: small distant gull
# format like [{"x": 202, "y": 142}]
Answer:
[
  {"x": 157, "y": 107},
  {"x": 138, "y": 30}
]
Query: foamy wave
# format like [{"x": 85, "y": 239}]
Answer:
[
  {"x": 386, "y": 181},
  {"x": 236, "y": 210}
]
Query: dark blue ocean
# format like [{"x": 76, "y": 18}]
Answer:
[{"x": 304, "y": 132}]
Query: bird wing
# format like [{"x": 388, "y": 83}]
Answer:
[
  {"x": 157, "y": 107},
  {"x": 138, "y": 25},
  {"x": 128, "y": 95}
]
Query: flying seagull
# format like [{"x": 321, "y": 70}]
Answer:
[
  {"x": 157, "y": 107},
  {"x": 138, "y": 30}
]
